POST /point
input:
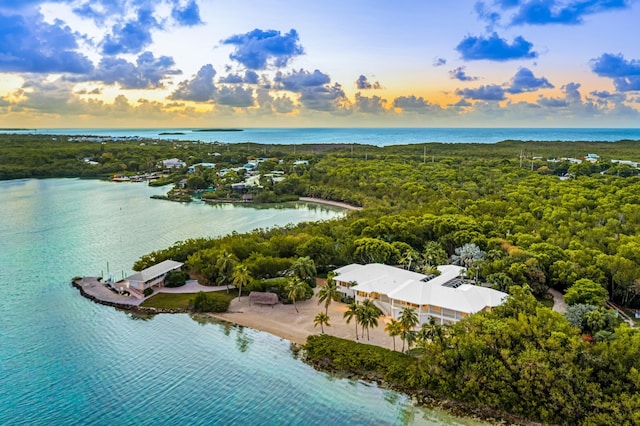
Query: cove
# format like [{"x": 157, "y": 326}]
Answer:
[{"x": 66, "y": 360}]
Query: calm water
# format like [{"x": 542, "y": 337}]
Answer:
[
  {"x": 65, "y": 360},
  {"x": 370, "y": 136}
]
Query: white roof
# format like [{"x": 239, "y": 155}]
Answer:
[
  {"x": 375, "y": 276},
  {"x": 155, "y": 271},
  {"x": 415, "y": 288}
]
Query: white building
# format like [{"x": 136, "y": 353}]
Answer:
[
  {"x": 152, "y": 276},
  {"x": 173, "y": 163},
  {"x": 192, "y": 168},
  {"x": 446, "y": 297}
]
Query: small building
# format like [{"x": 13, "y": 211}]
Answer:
[
  {"x": 192, "y": 168},
  {"x": 173, "y": 163},
  {"x": 446, "y": 297},
  {"x": 152, "y": 276}
]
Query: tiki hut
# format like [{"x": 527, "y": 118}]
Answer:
[{"x": 263, "y": 298}]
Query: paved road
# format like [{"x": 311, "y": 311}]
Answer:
[{"x": 558, "y": 301}]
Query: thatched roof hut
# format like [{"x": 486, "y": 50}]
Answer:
[{"x": 263, "y": 298}]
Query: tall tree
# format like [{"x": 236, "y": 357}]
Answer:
[
  {"x": 328, "y": 293},
  {"x": 241, "y": 277},
  {"x": 408, "y": 319},
  {"x": 304, "y": 268},
  {"x": 225, "y": 264},
  {"x": 352, "y": 314},
  {"x": 433, "y": 254},
  {"x": 296, "y": 290},
  {"x": 393, "y": 328},
  {"x": 321, "y": 319},
  {"x": 368, "y": 315}
]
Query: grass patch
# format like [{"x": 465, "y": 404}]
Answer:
[{"x": 169, "y": 301}]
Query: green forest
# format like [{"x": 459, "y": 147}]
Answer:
[{"x": 528, "y": 215}]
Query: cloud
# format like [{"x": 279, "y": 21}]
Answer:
[
  {"x": 370, "y": 105},
  {"x": 525, "y": 81},
  {"x": 625, "y": 73},
  {"x": 199, "y": 89},
  {"x": 495, "y": 48},
  {"x": 268, "y": 104},
  {"x": 297, "y": 81},
  {"x": 553, "y": 102},
  {"x": 607, "y": 96},
  {"x": 324, "y": 98},
  {"x": 132, "y": 36},
  {"x": 283, "y": 104},
  {"x": 413, "y": 104},
  {"x": 572, "y": 97},
  {"x": 362, "y": 83},
  {"x": 257, "y": 49},
  {"x": 460, "y": 74},
  {"x": 39, "y": 47},
  {"x": 555, "y": 12},
  {"x": 438, "y": 62},
  {"x": 572, "y": 92},
  {"x": 250, "y": 77},
  {"x": 187, "y": 15},
  {"x": 490, "y": 92},
  {"x": 148, "y": 72},
  {"x": 461, "y": 104},
  {"x": 545, "y": 12},
  {"x": 236, "y": 96}
]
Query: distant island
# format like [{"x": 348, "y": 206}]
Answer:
[
  {"x": 171, "y": 133},
  {"x": 217, "y": 130}
]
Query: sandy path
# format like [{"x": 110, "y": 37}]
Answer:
[
  {"x": 330, "y": 203},
  {"x": 283, "y": 321}
]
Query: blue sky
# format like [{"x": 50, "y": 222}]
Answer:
[{"x": 280, "y": 63}]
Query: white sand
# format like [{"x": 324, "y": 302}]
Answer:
[{"x": 283, "y": 321}]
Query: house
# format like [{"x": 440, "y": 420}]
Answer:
[
  {"x": 446, "y": 297},
  {"x": 152, "y": 276},
  {"x": 192, "y": 168},
  {"x": 173, "y": 163}
]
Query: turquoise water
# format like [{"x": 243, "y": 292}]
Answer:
[
  {"x": 370, "y": 136},
  {"x": 65, "y": 360}
]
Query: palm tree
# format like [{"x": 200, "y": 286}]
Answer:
[
  {"x": 408, "y": 319},
  {"x": 328, "y": 293},
  {"x": 368, "y": 315},
  {"x": 394, "y": 328},
  {"x": 408, "y": 257},
  {"x": 225, "y": 264},
  {"x": 434, "y": 254},
  {"x": 352, "y": 313},
  {"x": 468, "y": 256},
  {"x": 322, "y": 319},
  {"x": 304, "y": 268},
  {"x": 241, "y": 276},
  {"x": 295, "y": 290}
]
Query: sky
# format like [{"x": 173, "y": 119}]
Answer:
[{"x": 347, "y": 63}]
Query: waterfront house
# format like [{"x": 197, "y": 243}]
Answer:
[
  {"x": 153, "y": 276},
  {"x": 192, "y": 168},
  {"x": 173, "y": 163},
  {"x": 447, "y": 297}
]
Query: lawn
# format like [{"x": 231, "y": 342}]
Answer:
[
  {"x": 177, "y": 300},
  {"x": 169, "y": 300}
]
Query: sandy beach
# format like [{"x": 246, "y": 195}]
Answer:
[
  {"x": 330, "y": 203},
  {"x": 283, "y": 321}
]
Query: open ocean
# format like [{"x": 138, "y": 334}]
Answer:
[{"x": 370, "y": 136}]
